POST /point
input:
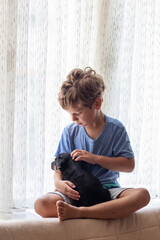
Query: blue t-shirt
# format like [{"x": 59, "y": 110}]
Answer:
[{"x": 112, "y": 142}]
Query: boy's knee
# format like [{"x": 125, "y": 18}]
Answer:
[
  {"x": 41, "y": 205},
  {"x": 144, "y": 196}
]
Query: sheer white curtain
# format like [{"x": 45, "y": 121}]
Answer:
[
  {"x": 138, "y": 93},
  {"x": 8, "y": 38},
  {"x": 40, "y": 42}
]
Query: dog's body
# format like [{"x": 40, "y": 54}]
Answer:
[{"x": 89, "y": 187}]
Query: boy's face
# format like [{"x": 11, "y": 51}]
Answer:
[{"x": 81, "y": 115}]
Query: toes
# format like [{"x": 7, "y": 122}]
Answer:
[
  {"x": 63, "y": 210},
  {"x": 60, "y": 209},
  {"x": 59, "y": 203},
  {"x": 60, "y": 206},
  {"x": 61, "y": 217},
  {"x": 60, "y": 214}
]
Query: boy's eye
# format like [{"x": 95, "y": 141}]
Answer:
[{"x": 78, "y": 113}]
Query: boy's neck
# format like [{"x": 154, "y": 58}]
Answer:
[{"x": 94, "y": 130}]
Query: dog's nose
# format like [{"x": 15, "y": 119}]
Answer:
[{"x": 53, "y": 165}]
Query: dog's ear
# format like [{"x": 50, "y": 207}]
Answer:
[
  {"x": 65, "y": 156},
  {"x": 61, "y": 161}
]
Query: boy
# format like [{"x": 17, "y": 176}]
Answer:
[{"x": 102, "y": 143}]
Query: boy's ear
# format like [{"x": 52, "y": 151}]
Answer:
[{"x": 98, "y": 103}]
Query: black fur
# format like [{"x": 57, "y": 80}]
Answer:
[{"x": 89, "y": 187}]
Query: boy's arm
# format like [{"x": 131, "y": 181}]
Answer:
[
  {"x": 65, "y": 187},
  {"x": 120, "y": 164}
]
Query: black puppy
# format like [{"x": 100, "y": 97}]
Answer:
[{"x": 89, "y": 187}]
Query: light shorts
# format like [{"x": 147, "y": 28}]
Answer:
[{"x": 113, "y": 191}]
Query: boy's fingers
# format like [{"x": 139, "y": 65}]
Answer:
[
  {"x": 70, "y": 188},
  {"x": 70, "y": 184},
  {"x": 72, "y": 153},
  {"x": 74, "y": 198},
  {"x": 76, "y": 153},
  {"x": 74, "y": 195},
  {"x": 79, "y": 159},
  {"x": 73, "y": 192}
]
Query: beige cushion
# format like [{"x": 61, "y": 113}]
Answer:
[{"x": 142, "y": 225}]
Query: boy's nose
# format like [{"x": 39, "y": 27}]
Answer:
[{"x": 74, "y": 118}]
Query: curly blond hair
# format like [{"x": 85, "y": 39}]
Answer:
[{"x": 81, "y": 86}]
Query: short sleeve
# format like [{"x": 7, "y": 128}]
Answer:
[
  {"x": 122, "y": 146},
  {"x": 64, "y": 143}
]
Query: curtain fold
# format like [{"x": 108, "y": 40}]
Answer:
[
  {"x": 21, "y": 106},
  {"x": 40, "y": 42},
  {"x": 30, "y": 102},
  {"x": 8, "y": 45}
]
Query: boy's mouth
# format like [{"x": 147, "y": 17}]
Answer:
[{"x": 79, "y": 124}]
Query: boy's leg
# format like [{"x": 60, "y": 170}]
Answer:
[
  {"x": 45, "y": 206},
  {"x": 127, "y": 202}
]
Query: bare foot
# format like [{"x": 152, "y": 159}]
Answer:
[{"x": 67, "y": 211}]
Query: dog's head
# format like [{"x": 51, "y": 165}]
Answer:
[{"x": 61, "y": 162}]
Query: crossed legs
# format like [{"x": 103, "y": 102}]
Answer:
[
  {"x": 45, "y": 206},
  {"x": 129, "y": 201}
]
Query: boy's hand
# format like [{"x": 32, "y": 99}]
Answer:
[
  {"x": 82, "y": 155},
  {"x": 66, "y": 187}
]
